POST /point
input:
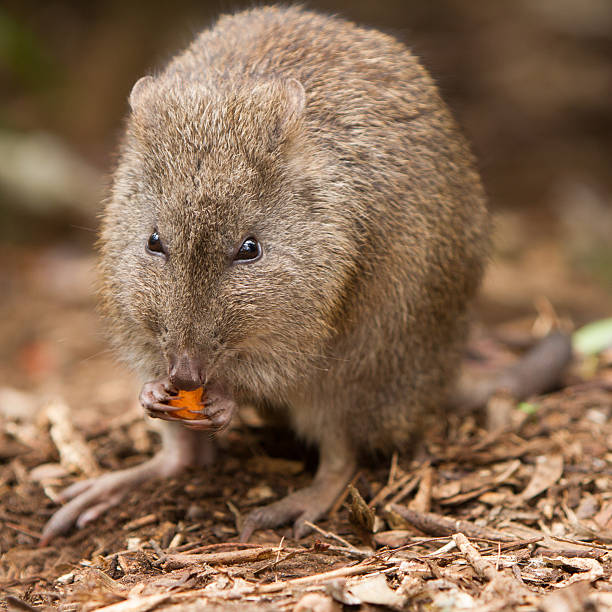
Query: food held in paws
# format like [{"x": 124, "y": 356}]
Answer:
[{"x": 190, "y": 402}]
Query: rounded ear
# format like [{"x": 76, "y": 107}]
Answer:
[
  {"x": 281, "y": 103},
  {"x": 139, "y": 92},
  {"x": 290, "y": 104},
  {"x": 296, "y": 98}
]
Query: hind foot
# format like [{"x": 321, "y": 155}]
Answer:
[{"x": 309, "y": 504}]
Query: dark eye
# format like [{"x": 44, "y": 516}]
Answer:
[
  {"x": 155, "y": 245},
  {"x": 249, "y": 251}
]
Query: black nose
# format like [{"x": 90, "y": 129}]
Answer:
[{"x": 186, "y": 371}]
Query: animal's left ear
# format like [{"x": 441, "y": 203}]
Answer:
[
  {"x": 283, "y": 103},
  {"x": 295, "y": 101}
]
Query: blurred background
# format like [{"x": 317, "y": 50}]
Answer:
[{"x": 529, "y": 81}]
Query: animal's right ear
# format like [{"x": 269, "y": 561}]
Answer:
[{"x": 139, "y": 92}]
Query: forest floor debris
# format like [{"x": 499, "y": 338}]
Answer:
[{"x": 515, "y": 517}]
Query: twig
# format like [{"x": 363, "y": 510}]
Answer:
[
  {"x": 161, "y": 555},
  {"x": 176, "y": 561},
  {"x": 579, "y": 543},
  {"x": 290, "y": 554},
  {"x": 443, "y": 549},
  {"x": 591, "y": 553},
  {"x": 356, "y": 553},
  {"x": 280, "y": 546},
  {"x": 393, "y": 468},
  {"x": 278, "y": 560},
  {"x": 391, "y": 488},
  {"x": 342, "y": 572},
  {"x": 408, "y": 488},
  {"x": 32, "y": 534},
  {"x": 434, "y": 524},
  {"x": 330, "y": 535},
  {"x": 520, "y": 543},
  {"x": 194, "y": 547},
  {"x": 238, "y": 518},
  {"x": 142, "y": 521},
  {"x": 483, "y": 568}
]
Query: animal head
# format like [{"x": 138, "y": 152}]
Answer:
[{"x": 220, "y": 256}]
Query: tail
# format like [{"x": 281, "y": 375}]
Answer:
[{"x": 538, "y": 371}]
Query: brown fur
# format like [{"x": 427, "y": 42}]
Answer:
[{"x": 365, "y": 199}]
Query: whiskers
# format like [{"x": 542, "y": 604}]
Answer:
[
  {"x": 102, "y": 352},
  {"x": 317, "y": 356},
  {"x": 261, "y": 350}
]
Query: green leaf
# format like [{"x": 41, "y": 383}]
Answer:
[
  {"x": 593, "y": 337},
  {"x": 528, "y": 408}
]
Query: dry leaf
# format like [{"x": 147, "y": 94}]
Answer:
[{"x": 548, "y": 469}]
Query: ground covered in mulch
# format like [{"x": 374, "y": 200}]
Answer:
[{"x": 516, "y": 514}]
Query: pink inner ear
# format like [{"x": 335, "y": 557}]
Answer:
[{"x": 139, "y": 91}]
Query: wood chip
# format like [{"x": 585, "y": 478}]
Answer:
[
  {"x": 548, "y": 470},
  {"x": 359, "y": 513},
  {"x": 571, "y": 599},
  {"x": 422, "y": 500},
  {"x": 138, "y": 604},
  {"x": 483, "y": 568},
  {"x": 586, "y": 569},
  {"x": 75, "y": 454},
  {"x": 142, "y": 521},
  {"x": 317, "y": 602},
  {"x": 373, "y": 590}
]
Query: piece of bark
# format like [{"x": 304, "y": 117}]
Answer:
[
  {"x": 587, "y": 570},
  {"x": 436, "y": 525},
  {"x": 75, "y": 454},
  {"x": 317, "y": 602},
  {"x": 138, "y": 604},
  {"x": 548, "y": 469},
  {"x": 482, "y": 567},
  {"x": 176, "y": 561},
  {"x": 422, "y": 500},
  {"x": 359, "y": 513}
]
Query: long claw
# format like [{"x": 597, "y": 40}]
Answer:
[
  {"x": 95, "y": 512},
  {"x": 75, "y": 489},
  {"x": 199, "y": 424},
  {"x": 335, "y": 471},
  {"x": 164, "y": 408},
  {"x": 91, "y": 498}
]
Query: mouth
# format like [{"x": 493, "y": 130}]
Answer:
[{"x": 184, "y": 385}]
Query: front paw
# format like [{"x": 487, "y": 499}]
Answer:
[
  {"x": 154, "y": 396},
  {"x": 217, "y": 412}
]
